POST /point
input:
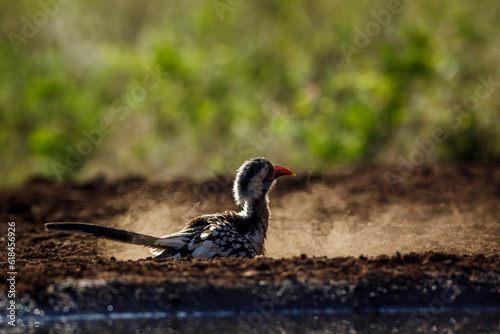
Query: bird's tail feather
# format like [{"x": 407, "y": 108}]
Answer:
[{"x": 104, "y": 232}]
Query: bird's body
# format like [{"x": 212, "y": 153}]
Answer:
[
  {"x": 219, "y": 235},
  {"x": 228, "y": 234}
]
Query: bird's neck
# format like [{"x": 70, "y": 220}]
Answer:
[
  {"x": 257, "y": 208},
  {"x": 256, "y": 212}
]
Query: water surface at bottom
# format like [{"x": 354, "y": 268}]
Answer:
[{"x": 260, "y": 322}]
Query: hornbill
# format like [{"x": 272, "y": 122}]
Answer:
[{"x": 228, "y": 234}]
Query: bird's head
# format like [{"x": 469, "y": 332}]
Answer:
[{"x": 255, "y": 178}]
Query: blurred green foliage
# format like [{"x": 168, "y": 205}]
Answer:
[{"x": 194, "y": 87}]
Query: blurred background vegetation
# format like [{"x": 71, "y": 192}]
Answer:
[{"x": 172, "y": 88}]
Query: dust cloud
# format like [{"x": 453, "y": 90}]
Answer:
[
  {"x": 150, "y": 218},
  {"x": 306, "y": 227},
  {"x": 349, "y": 217}
]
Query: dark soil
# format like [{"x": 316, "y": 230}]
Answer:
[{"x": 64, "y": 273}]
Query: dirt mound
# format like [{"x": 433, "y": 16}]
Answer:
[{"x": 378, "y": 243}]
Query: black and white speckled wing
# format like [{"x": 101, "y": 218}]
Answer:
[
  {"x": 218, "y": 238},
  {"x": 175, "y": 244}
]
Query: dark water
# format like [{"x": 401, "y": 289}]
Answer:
[{"x": 420, "y": 321}]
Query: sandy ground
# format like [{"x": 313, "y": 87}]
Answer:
[{"x": 349, "y": 239}]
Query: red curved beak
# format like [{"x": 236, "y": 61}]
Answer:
[{"x": 281, "y": 171}]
